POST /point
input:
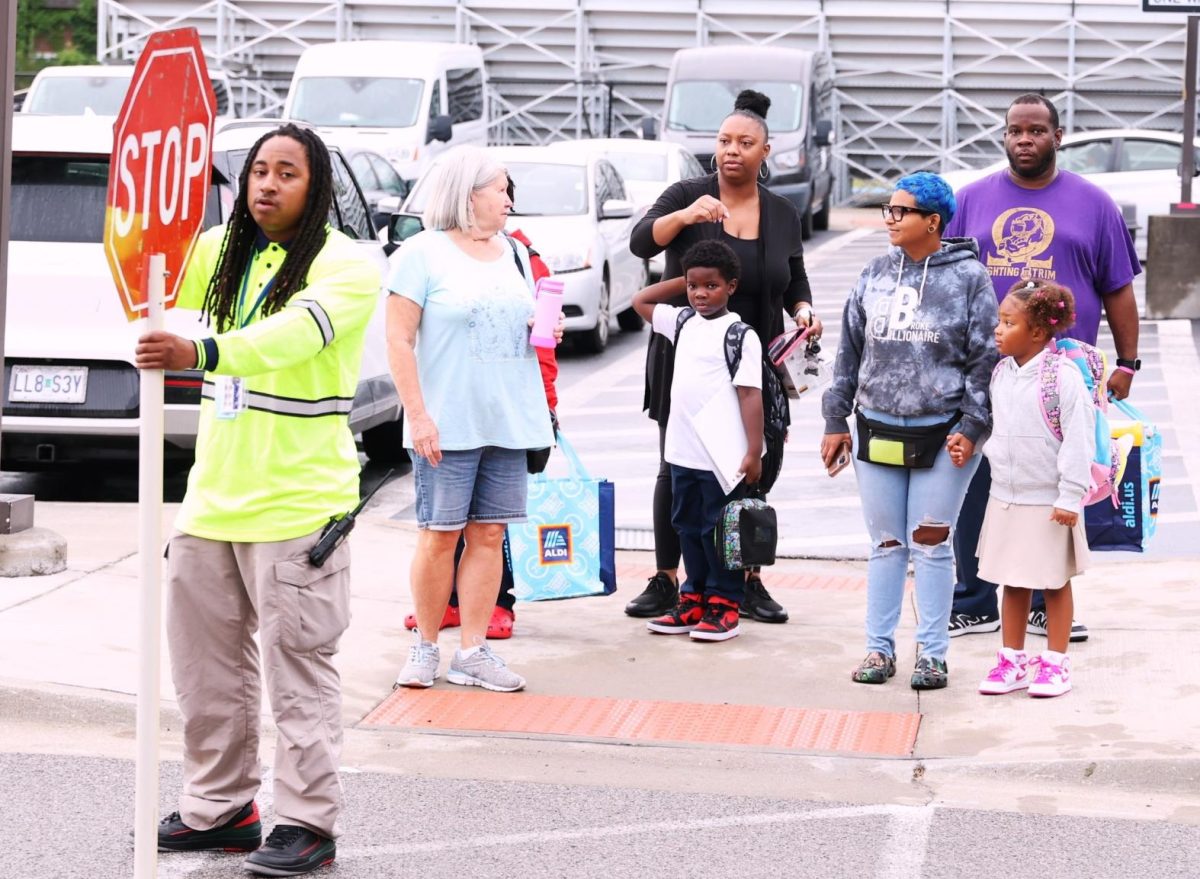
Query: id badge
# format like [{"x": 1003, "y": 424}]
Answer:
[{"x": 230, "y": 396}]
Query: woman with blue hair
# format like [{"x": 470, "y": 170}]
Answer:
[{"x": 913, "y": 365}]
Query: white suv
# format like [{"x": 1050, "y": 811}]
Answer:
[{"x": 65, "y": 325}]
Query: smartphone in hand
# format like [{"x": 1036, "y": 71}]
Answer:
[{"x": 841, "y": 461}]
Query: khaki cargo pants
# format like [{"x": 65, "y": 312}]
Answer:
[{"x": 218, "y": 595}]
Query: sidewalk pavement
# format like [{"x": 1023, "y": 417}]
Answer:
[{"x": 1124, "y": 741}]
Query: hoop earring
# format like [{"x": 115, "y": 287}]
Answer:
[
  {"x": 763, "y": 173},
  {"x": 712, "y": 163},
  {"x": 932, "y": 230}
]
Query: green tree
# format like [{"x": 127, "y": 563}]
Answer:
[{"x": 68, "y": 29}]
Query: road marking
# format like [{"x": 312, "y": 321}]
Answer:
[
  {"x": 541, "y": 837},
  {"x": 903, "y": 852}
]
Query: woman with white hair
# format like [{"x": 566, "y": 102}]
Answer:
[{"x": 458, "y": 345}]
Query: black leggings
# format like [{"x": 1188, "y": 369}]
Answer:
[
  {"x": 505, "y": 599},
  {"x": 666, "y": 541}
]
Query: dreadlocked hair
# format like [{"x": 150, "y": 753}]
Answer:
[
  {"x": 1048, "y": 306},
  {"x": 221, "y": 298}
]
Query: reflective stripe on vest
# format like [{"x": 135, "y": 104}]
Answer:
[
  {"x": 289, "y": 405},
  {"x": 324, "y": 324}
]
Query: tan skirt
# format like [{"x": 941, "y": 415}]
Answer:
[{"x": 1020, "y": 546}]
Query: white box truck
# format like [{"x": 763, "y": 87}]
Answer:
[{"x": 701, "y": 88}]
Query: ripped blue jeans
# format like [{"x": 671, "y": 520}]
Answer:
[{"x": 895, "y": 502}]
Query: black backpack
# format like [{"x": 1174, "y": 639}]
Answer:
[{"x": 777, "y": 416}]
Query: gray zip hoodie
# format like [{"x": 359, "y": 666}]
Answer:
[{"x": 918, "y": 339}]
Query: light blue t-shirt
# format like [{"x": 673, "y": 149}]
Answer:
[{"x": 479, "y": 375}]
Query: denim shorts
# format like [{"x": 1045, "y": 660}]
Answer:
[{"x": 477, "y": 485}]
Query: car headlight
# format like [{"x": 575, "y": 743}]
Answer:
[
  {"x": 401, "y": 154},
  {"x": 567, "y": 261},
  {"x": 788, "y": 161}
]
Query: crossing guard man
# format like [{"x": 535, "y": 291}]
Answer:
[{"x": 288, "y": 299}]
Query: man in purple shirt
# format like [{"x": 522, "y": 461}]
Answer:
[{"x": 1033, "y": 221}]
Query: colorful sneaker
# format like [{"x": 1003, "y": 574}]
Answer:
[
  {"x": 972, "y": 624},
  {"x": 720, "y": 621},
  {"x": 421, "y": 670},
  {"x": 291, "y": 851},
  {"x": 875, "y": 669},
  {"x": 1037, "y": 626},
  {"x": 241, "y": 833},
  {"x": 930, "y": 674},
  {"x": 681, "y": 619},
  {"x": 483, "y": 668},
  {"x": 1053, "y": 675},
  {"x": 1011, "y": 673}
]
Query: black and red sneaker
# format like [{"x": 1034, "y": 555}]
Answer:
[
  {"x": 682, "y": 618},
  {"x": 720, "y": 621},
  {"x": 291, "y": 851},
  {"x": 241, "y": 833}
]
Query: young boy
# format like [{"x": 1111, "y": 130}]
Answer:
[{"x": 710, "y": 597}]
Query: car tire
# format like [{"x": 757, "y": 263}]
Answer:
[
  {"x": 384, "y": 443},
  {"x": 806, "y": 223},
  {"x": 820, "y": 220},
  {"x": 630, "y": 321},
  {"x": 595, "y": 340}
]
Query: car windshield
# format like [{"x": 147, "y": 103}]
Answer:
[
  {"x": 368, "y": 102},
  {"x": 702, "y": 105},
  {"x": 62, "y": 198},
  {"x": 543, "y": 190},
  {"x": 639, "y": 166},
  {"x": 77, "y": 95}
]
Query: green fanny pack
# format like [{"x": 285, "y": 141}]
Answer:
[{"x": 894, "y": 445}]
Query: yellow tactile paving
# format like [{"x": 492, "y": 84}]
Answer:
[{"x": 801, "y": 729}]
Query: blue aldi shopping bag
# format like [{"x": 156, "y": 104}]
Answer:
[
  {"x": 567, "y": 546},
  {"x": 1132, "y": 522}
]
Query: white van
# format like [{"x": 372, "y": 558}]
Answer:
[
  {"x": 99, "y": 90},
  {"x": 702, "y": 86},
  {"x": 405, "y": 101}
]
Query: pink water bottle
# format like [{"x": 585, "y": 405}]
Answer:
[{"x": 547, "y": 308}]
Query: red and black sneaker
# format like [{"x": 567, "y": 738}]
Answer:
[
  {"x": 241, "y": 833},
  {"x": 720, "y": 621},
  {"x": 682, "y": 618},
  {"x": 291, "y": 851}
]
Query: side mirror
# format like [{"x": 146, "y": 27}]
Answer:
[
  {"x": 1195, "y": 167},
  {"x": 402, "y": 227},
  {"x": 823, "y": 133},
  {"x": 387, "y": 205},
  {"x": 439, "y": 129},
  {"x": 649, "y": 128},
  {"x": 616, "y": 209}
]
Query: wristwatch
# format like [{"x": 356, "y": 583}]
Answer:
[{"x": 1134, "y": 364}]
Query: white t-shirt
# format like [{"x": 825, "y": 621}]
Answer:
[{"x": 701, "y": 374}]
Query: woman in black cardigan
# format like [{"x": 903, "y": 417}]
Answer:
[{"x": 764, "y": 231}]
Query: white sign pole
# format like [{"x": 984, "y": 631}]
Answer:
[{"x": 150, "y": 547}]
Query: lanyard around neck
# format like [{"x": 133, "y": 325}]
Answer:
[{"x": 246, "y": 316}]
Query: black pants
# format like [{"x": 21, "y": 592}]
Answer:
[
  {"x": 505, "y": 599},
  {"x": 666, "y": 541},
  {"x": 699, "y": 500},
  {"x": 973, "y": 595}
]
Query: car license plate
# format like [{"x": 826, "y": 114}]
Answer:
[{"x": 48, "y": 384}]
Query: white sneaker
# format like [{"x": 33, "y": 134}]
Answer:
[
  {"x": 483, "y": 668},
  {"x": 1053, "y": 675},
  {"x": 421, "y": 670},
  {"x": 1011, "y": 673}
]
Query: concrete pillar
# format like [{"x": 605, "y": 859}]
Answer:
[{"x": 1173, "y": 267}]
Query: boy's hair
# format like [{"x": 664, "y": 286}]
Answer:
[
  {"x": 931, "y": 193},
  {"x": 1048, "y": 306},
  {"x": 711, "y": 254}
]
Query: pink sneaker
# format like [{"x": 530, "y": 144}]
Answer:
[
  {"x": 1011, "y": 673},
  {"x": 1053, "y": 675}
]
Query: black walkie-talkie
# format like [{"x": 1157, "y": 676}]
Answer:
[{"x": 337, "y": 529}]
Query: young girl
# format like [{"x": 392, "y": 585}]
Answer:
[{"x": 1033, "y": 536}]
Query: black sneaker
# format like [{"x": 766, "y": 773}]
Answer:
[
  {"x": 758, "y": 604},
  {"x": 291, "y": 851},
  {"x": 241, "y": 833},
  {"x": 1037, "y": 626},
  {"x": 659, "y": 596},
  {"x": 972, "y": 624}
]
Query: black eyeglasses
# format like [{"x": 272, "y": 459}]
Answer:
[{"x": 898, "y": 211}]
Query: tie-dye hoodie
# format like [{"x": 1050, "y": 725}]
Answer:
[{"x": 918, "y": 339}]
